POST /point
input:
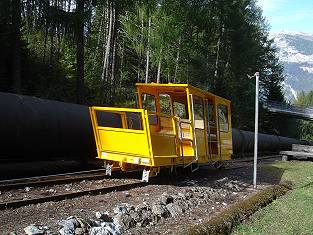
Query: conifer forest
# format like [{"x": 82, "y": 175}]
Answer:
[{"x": 94, "y": 51}]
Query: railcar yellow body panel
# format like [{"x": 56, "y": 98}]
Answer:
[{"x": 174, "y": 124}]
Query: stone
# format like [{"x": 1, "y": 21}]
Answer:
[
  {"x": 182, "y": 196},
  {"x": 222, "y": 180},
  {"x": 143, "y": 206},
  {"x": 166, "y": 199},
  {"x": 124, "y": 220},
  {"x": 174, "y": 209},
  {"x": 27, "y": 189},
  {"x": 79, "y": 231},
  {"x": 122, "y": 208},
  {"x": 104, "y": 215},
  {"x": 68, "y": 226},
  {"x": 136, "y": 215},
  {"x": 99, "y": 231},
  {"x": 12, "y": 233},
  {"x": 111, "y": 228},
  {"x": 33, "y": 230},
  {"x": 66, "y": 231},
  {"x": 83, "y": 224},
  {"x": 160, "y": 210}
]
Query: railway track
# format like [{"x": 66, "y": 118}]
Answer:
[
  {"x": 60, "y": 179},
  {"x": 89, "y": 175},
  {"x": 70, "y": 195},
  {"x": 235, "y": 164},
  {"x": 51, "y": 179}
]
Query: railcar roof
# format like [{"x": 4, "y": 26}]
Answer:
[{"x": 180, "y": 87}]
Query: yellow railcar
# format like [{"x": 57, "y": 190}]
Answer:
[{"x": 175, "y": 125}]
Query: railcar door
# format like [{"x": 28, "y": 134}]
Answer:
[
  {"x": 224, "y": 123},
  {"x": 212, "y": 130},
  {"x": 199, "y": 128}
]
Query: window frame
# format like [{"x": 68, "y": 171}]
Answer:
[{"x": 219, "y": 117}]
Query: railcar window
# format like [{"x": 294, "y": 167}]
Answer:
[
  {"x": 180, "y": 110},
  {"x": 199, "y": 112},
  {"x": 109, "y": 119},
  {"x": 223, "y": 118},
  {"x": 165, "y": 104},
  {"x": 211, "y": 114},
  {"x": 134, "y": 121},
  {"x": 148, "y": 102}
]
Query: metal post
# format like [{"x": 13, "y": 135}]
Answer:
[{"x": 256, "y": 125}]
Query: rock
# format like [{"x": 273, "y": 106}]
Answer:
[
  {"x": 124, "y": 220},
  {"x": 79, "y": 231},
  {"x": 99, "y": 231},
  {"x": 174, "y": 209},
  {"x": 160, "y": 210},
  {"x": 123, "y": 208},
  {"x": 142, "y": 207},
  {"x": 104, "y": 215},
  {"x": 166, "y": 199},
  {"x": 136, "y": 215},
  {"x": 33, "y": 230},
  {"x": 182, "y": 196},
  {"x": 27, "y": 189},
  {"x": 12, "y": 233},
  {"x": 222, "y": 180},
  {"x": 83, "y": 224},
  {"x": 111, "y": 227},
  {"x": 68, "y": 226},
  {"x": 188, "y": 195}
]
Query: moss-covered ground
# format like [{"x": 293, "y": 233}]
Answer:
[{"x": 290, "y": 214}]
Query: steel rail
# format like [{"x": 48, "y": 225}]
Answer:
[
  {"x": 262, "y": 159},
  {"x": 60, "y": 197},
  {"x": 51, "y": 179}
]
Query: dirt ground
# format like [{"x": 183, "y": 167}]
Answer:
[{"x": 235, "y": 183}]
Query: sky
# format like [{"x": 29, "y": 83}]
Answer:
[{"x": 288, "y": 15}]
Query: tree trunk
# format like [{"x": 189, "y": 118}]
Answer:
[
  {"x": 80, "y": 43},
  {"x": 111, "y": 35},
  {"x": 141, "y": 43},
  {"x": 217, "y": 56},
  {"x": 113, "y": 69},
  {"x": 99, "y": 37},
  {"x": 177, "y": 60},
  {"x": 16, "y": 54},
  {"x": 45, "y": 43},
  {"x": 159, "y": 66},
  {"x": 217, "y": 61},
  {"x": 148, "y": 51},
  {"x": 108, "y": 44}
]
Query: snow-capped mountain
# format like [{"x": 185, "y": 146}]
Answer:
[{"x": 296, "y": 54}]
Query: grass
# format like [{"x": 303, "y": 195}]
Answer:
[{"x": 290, "y": 214}]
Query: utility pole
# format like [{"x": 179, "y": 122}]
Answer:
[{"x": 256, "y": 128}]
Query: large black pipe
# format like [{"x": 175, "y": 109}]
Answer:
[
  {"x": 39, "y": 129},
  {"x": 243, "y": 142}
]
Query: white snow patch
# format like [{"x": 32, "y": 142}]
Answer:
[
  {"x": 289, "y": 53},
  {"x": 307, "y": 69},
  {"x": 289, "y": 87}
]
